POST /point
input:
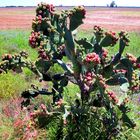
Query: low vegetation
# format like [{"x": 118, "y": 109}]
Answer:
[{"x": 76, "y": 73}]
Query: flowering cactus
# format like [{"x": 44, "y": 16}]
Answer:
[{"x": 92, "y": 69}]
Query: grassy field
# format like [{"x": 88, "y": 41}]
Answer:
[{"x": 11, "y": 84}]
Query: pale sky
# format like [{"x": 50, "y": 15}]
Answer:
[{"x": 70, "y": 2}]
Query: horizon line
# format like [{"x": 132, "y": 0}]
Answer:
[{"x": 67, "y": 6}]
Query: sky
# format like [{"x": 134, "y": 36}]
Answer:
[{"x": 70, "y": 2}]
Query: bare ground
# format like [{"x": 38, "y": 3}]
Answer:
[{"x": 109, "y": 18}]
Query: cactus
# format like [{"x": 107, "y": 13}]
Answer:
[{"x": 92, "y": 69}]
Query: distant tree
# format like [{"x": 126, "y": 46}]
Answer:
[
  {"x": 113, "y": 4},
  {"x": 11, "y": 6}
]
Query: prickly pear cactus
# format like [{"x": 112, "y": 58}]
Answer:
[{"x": 91, "y": 68}]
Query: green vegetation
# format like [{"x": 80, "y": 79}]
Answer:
[
  {"x": 133, "y": 47},
  {"x": 97, "y": 112},
  {"x": 13, "y": 41}
]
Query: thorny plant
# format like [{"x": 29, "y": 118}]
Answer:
[{"x": 90, "y": 68}]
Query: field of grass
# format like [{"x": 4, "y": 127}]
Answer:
[{"x": 11, "y": 85}]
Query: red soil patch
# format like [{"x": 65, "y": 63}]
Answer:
[
  {"x": 109, "y": 18},
  {"x": 16, "y": 18},
  {"x": 114, "y": 18}
]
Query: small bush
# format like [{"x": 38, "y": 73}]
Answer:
[{"x": 11, "y": 85}]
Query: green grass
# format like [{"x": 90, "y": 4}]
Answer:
[
  {"x": 6, "y": 129},
  {"x": 133, "y": 47},
  {"x": 13, "y": 41},
  {"x": 12, "y": 85}
]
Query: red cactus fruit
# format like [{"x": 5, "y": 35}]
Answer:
[{"x": 92, "y": 58}]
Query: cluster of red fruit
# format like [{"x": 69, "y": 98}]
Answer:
[
  {"x": 24, "y": 54},
  {"x": 80, "y": 11},
  {"x": 5, "y": 62},
  {"x": 112, "y": 36},
  {"x": 7, "y": 57},
  {"x": 37, "y": 20},
  {"x": 131, "y": 57},
  {"x": 133, "y": 60},
  {"x": 135, "y": 82},
  {"x": 102, "y": 82},
  {"x": 43, "y": 7},
  {"x": 92, "y": 58},
  {"x": 61, "y": 48},
  {"x": 104, "y": 53},
  {"x": 34, "y": 39},
  {"x": 124, "y": 35},
  {"x": 98, "y": 30},
  {"x": 43, "y": 54},
  {"x": 88, "y": 78},
  {"x": 112, "y": 96},
  {"x": 120, "y": 71},
  {"x": 15, "y": 56}
]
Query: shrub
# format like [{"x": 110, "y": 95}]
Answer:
[
  {"x": 8, "y": 84},
  {"x": 113, "y": 4},
  {"x": 97, "y": 112}
]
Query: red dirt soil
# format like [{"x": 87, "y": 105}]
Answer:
[
  {"x": 109, "y": 18},
  {"x": 16, "y": 18}
]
